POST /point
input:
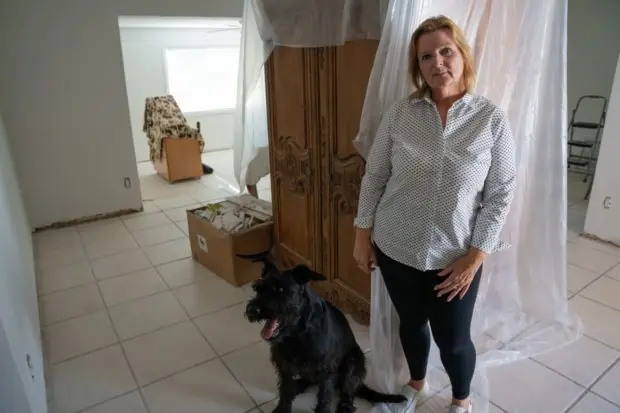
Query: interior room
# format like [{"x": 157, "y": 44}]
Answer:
[
  {"x": 106, "y": 304},
  {"x": 196, "y": 61}
]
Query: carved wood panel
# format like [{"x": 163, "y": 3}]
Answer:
[
  {"x": 315, "y": 98},
  {"x": 344, "y": 79},
  {"x": 291, "y": 76}
]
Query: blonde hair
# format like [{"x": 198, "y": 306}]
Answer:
[{"x": 431, "y": 25}]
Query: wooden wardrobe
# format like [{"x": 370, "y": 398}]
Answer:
[{"x": 315, "y": 98}]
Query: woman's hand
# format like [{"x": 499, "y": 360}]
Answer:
[
  {"x": 460, "y": 274},
  {"x": 363, "y": 252}
]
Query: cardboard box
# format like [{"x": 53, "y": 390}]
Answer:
[
  {"x": 217, "y": 248},
  {"x": 180, "y": 160}
]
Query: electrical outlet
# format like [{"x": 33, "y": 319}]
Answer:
[
  {"x": 127, "y": 182},
  {"x": 607, "y": 202}
]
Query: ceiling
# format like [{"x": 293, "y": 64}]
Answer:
[{"x": 155, "y": 22}]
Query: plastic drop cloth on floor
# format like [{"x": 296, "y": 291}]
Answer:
[
  {"x": 522, "y": 308},
  {"x": 520, "y": 52}
]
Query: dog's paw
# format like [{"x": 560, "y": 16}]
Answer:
[{"x": 346, "y": 407}]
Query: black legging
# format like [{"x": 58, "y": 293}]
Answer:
[{"x": 416, "y": 302}]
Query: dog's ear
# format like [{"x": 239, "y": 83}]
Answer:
[
  {"x": 302, "y": 274},
  {"x": 268, "y": 265}
]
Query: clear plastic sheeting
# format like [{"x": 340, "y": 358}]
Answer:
[
  {"x": 250, "y": 143},
  {"x": 520, "y": 51},
  {"x": 293, "y": 23},
  {"x": 522, "y": 308},
  {"x": 316, "y": 23}
]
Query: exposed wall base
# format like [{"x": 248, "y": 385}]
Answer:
[
  {"x": 599, "y": 239},
  {"x": 92, "y": 218}
]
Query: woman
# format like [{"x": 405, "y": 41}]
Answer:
[{"x": 438, "y": 185}]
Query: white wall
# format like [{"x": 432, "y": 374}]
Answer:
[
  {"x": 593, "y": 46},
  {"x": 19, "y": 316},
  {"x": 593, "y": 50},
  {"x": 12, "y": 395},
  {"x": 145, "y": 74},
  {"x": 601, "y": 222},
  {"x": 65, "y": 103}
]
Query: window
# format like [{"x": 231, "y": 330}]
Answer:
[{"x": 203, "y": 80}]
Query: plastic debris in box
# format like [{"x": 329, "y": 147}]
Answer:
[{"x": 231, "y": 216}]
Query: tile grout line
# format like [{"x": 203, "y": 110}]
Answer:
[
  {"x": 597, "y": 302},
  {"x": 95, "y": 279},
  {"x": 604, "y": 273},
  {"x": 220, "y": 358},
  {"x": 123, "y": 219},
  {"x": 193, "y": 318},
  {"x": 498, "y": 407},
  {"x": 532, "y": 358},
  {"x": 214, "y": 358},
  {"x": 579, "y": 384},
  {"x": 595, "y": 250},
  {"x": 217, "y": 355},
  {"x": 434, "y": 394},
  {"x": 576, "y": 402},
  {"x": 575, "y": 293},
  {"x": 585, "y": 388},
  {"x": 140, "y": 247},
  {"x": 118, "y": 338},
  {"x": 150, "y": 383},
  {"x": 614, "y": 364},
  {"x": 122, "y": 340},
  {"x": 105, "y": 306},
  {"x": 588, "y": 388},
  {"x": 111, "y": 399},
  {"x": 89, "y": 261},
  {"x": 147, "y": 255},
  {"x": 119, "y": 342},
  {"x": 601, "y": 342},
  {"x": 596, "y": 244}
]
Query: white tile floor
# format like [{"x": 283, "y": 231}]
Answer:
[{"x": 132, "y": 325}]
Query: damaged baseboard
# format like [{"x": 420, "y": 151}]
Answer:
[
  {"x": 88, "y": 219},
  {"x": 599, "y": 239}
]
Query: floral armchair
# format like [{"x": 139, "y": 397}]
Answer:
[{"x": 163, "y": 118}]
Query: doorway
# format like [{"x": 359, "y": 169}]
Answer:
[{"x": 195, "y": 60}]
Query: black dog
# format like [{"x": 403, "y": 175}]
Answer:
[{"x": 311, "y": 340}]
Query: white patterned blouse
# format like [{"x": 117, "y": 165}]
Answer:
[{"x": 429, "y": 192}]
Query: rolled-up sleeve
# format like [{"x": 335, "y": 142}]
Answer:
[
  {"x": 498, "y": 190},
  {"x": 376, "y": 175}
]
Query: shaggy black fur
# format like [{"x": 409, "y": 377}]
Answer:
[{"x": 311, "y": 340}]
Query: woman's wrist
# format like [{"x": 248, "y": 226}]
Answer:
[
  {"x": 363, "y": 232},
  {"x": 477, "y": 254}
]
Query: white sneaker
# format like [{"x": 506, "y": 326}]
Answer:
[
  {"x": 413, "y": 398},
  {"x": 459, "y": 409}
]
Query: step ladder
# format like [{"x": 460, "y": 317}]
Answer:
[{"x": 585, "y": 161}]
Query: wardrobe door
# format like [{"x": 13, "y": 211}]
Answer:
[
  {"x": 344, "y": 74},
  {"x": 292, "y": 107}
]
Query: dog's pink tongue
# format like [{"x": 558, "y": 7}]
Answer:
[{"x": 268, "y": 330}]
